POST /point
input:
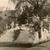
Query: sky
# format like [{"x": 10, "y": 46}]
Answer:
[{"x": 7, "y": 4}]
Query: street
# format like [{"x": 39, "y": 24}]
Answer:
[{"x": 44, "y": 46}]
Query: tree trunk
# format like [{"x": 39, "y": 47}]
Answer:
[{"x": 41, "y": 27}]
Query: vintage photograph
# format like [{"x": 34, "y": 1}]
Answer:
[{"x": 25, "y": 24}]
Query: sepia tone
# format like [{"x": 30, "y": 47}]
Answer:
[{"x": 25, "y": 24}]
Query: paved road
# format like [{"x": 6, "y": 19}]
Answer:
[
  {"x": 44, "y": 46},
  {"x": 15, "y": 48}
]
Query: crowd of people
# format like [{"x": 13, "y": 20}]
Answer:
[{"x": 35, "y": 29}]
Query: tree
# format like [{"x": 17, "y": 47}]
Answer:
[
  {"x": 25, "y": 16},
  {"x": 37, "y": 8}
]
